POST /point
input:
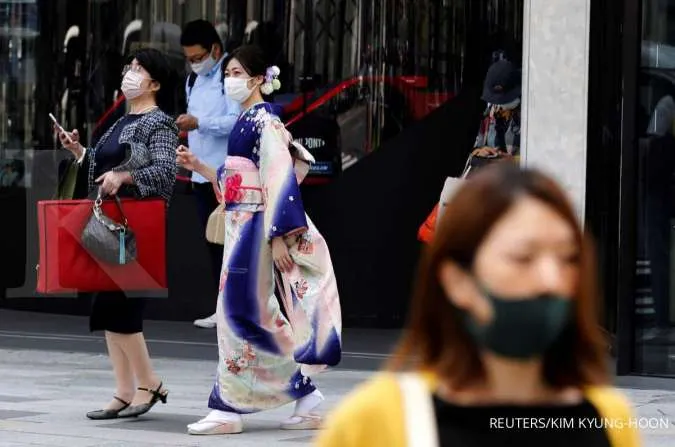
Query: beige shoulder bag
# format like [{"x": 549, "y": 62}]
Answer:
[{"x": 215, "y": 226}]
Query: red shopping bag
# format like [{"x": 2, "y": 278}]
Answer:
[
  {"x": 426, "y": 231},
  {"x": 65, "y": 265}
]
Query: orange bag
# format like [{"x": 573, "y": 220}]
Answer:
[{"x": 426, "y": 232}]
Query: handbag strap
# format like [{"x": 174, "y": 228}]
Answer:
[
  {"x": 467, "y": 167},
  {"x": 418, "y": 408},
  {"x": 118, "y": 202}
]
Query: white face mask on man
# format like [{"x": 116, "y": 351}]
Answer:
[
  {"x": 132, "y": 84},
  {"x": 204, "y": 67},
  {"x": 237, "y": 89}
]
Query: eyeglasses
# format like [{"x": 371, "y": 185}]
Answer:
[
  {"x": 198, "y": 59},
  {"x": 127, "y": 68}
]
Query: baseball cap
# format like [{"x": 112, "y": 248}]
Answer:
[{"x": 502, "y": 83}]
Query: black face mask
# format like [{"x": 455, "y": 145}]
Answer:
[{"x": 521, "y": 328}]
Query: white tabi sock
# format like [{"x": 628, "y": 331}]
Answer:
[
  {"x": 305, "y": 405},
  {"x": 218, "y": 416}
]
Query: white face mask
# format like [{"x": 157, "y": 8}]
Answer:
[
  {"x": 237, "y": 89},
  {"x": 204, "y": 67},
  {"x": 132, "y": 84}
]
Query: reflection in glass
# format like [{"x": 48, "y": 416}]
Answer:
[
  {"x": 379, "y": 66},
  {"x": 355, "y": 73},
  {"x": 18, "y": 39},
  {"x": 655, "y": 297}
]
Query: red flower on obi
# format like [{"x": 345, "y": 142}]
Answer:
[{"x": 233, "y": 192}]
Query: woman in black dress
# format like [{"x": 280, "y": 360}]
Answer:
[{"x": 114, "y": 167}]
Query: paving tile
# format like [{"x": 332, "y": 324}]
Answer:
[
  {"x": 58, "y": 388},
  {"x": 11, "y": 414},
  {"x": 304, "y": 439},
  {"x": 158, "y": 422},
  {"x": 17, "y": 399},
  {"x": 663, "y": 399}
]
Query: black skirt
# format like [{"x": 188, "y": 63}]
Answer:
[{"x": 115, "y": 312}]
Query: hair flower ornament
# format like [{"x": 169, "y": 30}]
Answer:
[{"x": 271, "y": 82}]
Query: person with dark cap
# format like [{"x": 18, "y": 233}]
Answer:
[
  {"x": 499, "y": 132},
  {"x": 498, "y": 136},
  {"x": 209, "y": 120}
]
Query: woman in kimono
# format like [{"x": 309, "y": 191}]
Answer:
[{"x": 270, "y": 340}]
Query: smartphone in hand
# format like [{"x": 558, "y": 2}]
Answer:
[{"x": 61, "y": 129}]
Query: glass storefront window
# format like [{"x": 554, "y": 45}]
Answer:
[
  {"x": 655, "y": 223},
  {"x": 384, "y": 65},
  {"x": 19, "y": 34},
  {"x": 392, "y": 61},
  {"x": 356, "y": 75}
]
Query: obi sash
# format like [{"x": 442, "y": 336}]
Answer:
[{"x": 239, "y": 181}]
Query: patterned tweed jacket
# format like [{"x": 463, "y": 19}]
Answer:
[{"x": 151, "y": 154}]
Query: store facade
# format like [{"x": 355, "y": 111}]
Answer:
[
  {"x": 387, "y": 94},
  {"x": 631, "y": 146},
  {"x": 370, "y": 86},
  {"x": 599, "y": 116}
]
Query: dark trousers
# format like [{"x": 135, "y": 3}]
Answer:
[{"x": 206, "y": 203}]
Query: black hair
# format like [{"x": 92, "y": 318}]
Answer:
[
  {"x": 251, "y": 57},
  {"x": 157, "y": 65},
  {"x": 200, "y": 32}
]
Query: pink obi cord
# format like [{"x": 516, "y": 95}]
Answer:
[{"x": 234, "y": 191}]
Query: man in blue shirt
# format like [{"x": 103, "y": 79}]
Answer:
[{"x": 209, "y": 119}]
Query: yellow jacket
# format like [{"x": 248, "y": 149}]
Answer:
[{"x": 373, "y": 416}]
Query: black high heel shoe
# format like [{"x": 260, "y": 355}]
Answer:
[
  {"x": 100, "y": 415},
  {"x": 137, "y": 410}
]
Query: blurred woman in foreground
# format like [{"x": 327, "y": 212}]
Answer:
[{"x": 503, "y": 332}]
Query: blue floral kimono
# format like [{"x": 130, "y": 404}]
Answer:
[{"x": 270, "y": 341}]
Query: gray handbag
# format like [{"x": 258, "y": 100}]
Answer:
[{"x": 106, "y": 240}]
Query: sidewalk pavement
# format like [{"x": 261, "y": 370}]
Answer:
[
  {"x": 363, "y": 349},
  {"x": 44, "y": 395}
]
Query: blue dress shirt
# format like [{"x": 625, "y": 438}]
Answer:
[{"x": 216, "y": 114}]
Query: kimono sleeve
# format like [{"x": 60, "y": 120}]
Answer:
[
  {"x": 218, "y": 186},
  {"x": 284, "y": 211}
]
